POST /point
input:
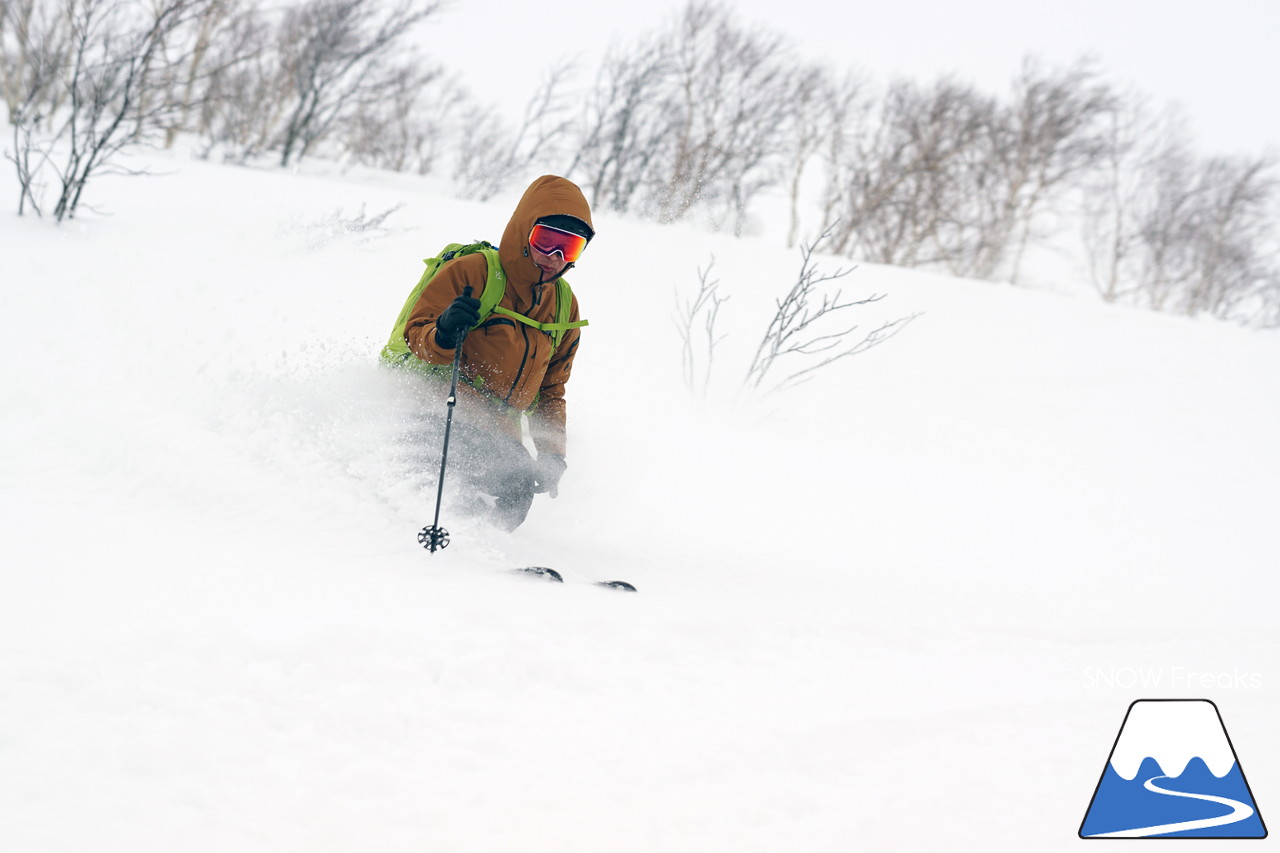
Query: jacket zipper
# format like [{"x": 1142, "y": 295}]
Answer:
[{"x": 524, "y": 330}]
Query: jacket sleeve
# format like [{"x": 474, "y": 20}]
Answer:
[
  {"x": 547, "y": 422},
  {"x": 446, "y": 285}
]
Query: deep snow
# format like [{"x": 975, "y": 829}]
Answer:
[{"x": 904, "y": 606}]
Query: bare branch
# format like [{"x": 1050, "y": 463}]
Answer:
[
  {"x": 705, "y": 304},
  {"x": 335, "y": 56},
  {"x": 546, "y": 122},
  {"x": 691, "y": 118},
  {"x": 793, "y": 329},
  {"x": 112, "y": 72}
]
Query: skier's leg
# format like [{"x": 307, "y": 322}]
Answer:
[
  {"x": 514, "y": 496},
  {"x": 499, "y": 466}
]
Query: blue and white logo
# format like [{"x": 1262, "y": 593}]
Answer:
[{"x": 1173, "y": 773}]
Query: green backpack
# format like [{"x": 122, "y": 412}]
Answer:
[{"x": 397, "y": 350}]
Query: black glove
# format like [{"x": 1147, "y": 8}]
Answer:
[
  {"x": 462, "y": 313},
  {"x": 547, "y": 472}
]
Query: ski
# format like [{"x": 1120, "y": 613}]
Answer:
[
  {"x": 436, "y": 538},
  {"x": 550, "y": 574}
]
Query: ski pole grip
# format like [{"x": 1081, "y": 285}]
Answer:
[{"x": 466, "y": 291}]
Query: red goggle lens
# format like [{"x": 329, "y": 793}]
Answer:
[{"x": 549, "y": 241}]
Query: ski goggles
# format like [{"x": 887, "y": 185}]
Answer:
[{"x": 549, "y": 241}]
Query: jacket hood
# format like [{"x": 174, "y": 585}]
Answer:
[{"x": 549, "y": 195}]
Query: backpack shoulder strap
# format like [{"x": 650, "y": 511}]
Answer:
[
  {"x": 495, "y": 285},
  {"x": 564, "y": 309}
]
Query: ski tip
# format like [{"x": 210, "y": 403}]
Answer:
[
  {"x": 542, "y": 572},
  {"x": 550, "y": 574}
]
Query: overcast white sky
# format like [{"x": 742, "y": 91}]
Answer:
[{"x": 1219, "y": 58}]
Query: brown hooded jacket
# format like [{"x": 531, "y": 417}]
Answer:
[{"x": 511, "y": 362}]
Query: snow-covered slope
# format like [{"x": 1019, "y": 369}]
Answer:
[{"x": 903, "y": 606}]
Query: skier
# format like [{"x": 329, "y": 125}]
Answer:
[{"x": 517, "y": 358}]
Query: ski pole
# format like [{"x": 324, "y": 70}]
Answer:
[{"x": 436, "y": 537}]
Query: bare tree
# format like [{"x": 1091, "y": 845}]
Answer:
[
  {"x": 1232, "y": 267},
  {"x": 696, "y": 323},
  {"x": 1165, "y": 224},
  {"x": 906, "y": 183},
  {"x": 402, "y": 131},
  {"x": 109, "y": 74},
  {"x": 245, "y": 98},
  {"x": 821, "y": 106},
  {"x": 1119, "y": 186},
  {"x": 1105, "y": 200},
  {"x": 115, "y": 84},
  {"x": 488, "y": 164},
  {"x": 1051, "y": 133},
  {"x": 692, "y": 117},
  {"x": 946, "y": 175},
  {"x": 626, "y": 126},
  {"x": 805, "y": 132},
  {"x": 335, "y": 53},
  {"x": 1173, "y": 231},
  {"x": 850, "y": 109},
  {"x": 227, "y": 35},
  {"x": 34, "y": 44},
  {"x": 1268, "y": 314},
  {"x": 796, "y": 327},
  {"x": 28, "y": 157},
  {"x": 729, "y": 97}
]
